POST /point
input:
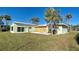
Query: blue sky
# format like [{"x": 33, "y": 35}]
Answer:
[{"x": 23, "y": 14}]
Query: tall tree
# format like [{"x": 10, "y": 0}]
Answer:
[
  {"x": 7, "y": 18},
  {"x": 35, "y": 20},
  {"x": 68, "y": 17},
  {"x": 52, "y": 16},
  {"x": 1, "y": 23},
  {"x": 1, "y": 17}
]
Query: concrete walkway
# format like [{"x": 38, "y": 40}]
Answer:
[
  {"x": 42, "y": 33},
  {"x": 47, "y": 33}
]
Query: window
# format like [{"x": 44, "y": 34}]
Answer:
[
  {"x": 20, "y": 29},
  {"x": 12, "y": 28}
]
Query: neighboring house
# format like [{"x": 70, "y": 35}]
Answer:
[
  {"x": 60, "y": 28},
  {"x": 75, "y": 28},
  {"x": 2, "y": 26},
  {"x": 19, "y": 27}
]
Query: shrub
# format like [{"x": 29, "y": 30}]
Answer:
[
  {"x": 77, "y": 38},
  {"x": 8, "y": 28}
]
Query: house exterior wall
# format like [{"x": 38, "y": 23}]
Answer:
[
  {"x": 41, "y": 29},
  {"x": 26, "y": 29},
  {"x": 32, "y": 29},
  {"x": 61, "y": 30},
  {"x": 64, "y": 30},
  {"x": 14, "y": 28}
]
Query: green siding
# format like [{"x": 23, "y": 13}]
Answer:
[
  {"x": 26, "y": 29},
  {"x": 15, "y": 28},
  {"x": 32, "y": 29}
]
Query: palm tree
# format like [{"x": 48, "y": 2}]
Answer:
[
  {"x": 1, "y": 17},
  {"x": 7, "y": 18},
  {"x": 52, "y": 16},
  {"x": 68, "y": 17},
  {"x": 35, "y": 20}
]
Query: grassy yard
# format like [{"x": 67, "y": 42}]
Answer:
[{"x": 37, "y": 42}]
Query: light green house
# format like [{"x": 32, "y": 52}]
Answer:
[{"x": 19, "y": 27}]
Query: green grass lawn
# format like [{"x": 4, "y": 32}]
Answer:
[{"x": 37, "y": 42}]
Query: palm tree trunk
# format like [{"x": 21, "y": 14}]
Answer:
[
  {"x": 0, "y": 24},
  {"x": 67, "y": 22},
  {"x": 68, "y": 26},
  {"x": 6, "y": 24},
  {"x": 54, "y": 31},
  {"x": 0, "y": 28},
  {"x": 51, "y": 27}
]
